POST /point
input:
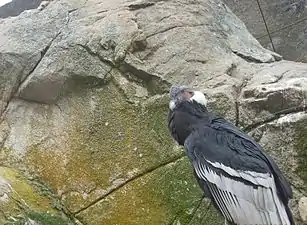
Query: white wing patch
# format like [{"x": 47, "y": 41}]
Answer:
[
  {"x": 242, "y": 203},
  {"x": 251, "y": 176}
]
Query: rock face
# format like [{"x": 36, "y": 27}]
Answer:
[
  {"x": 15, "y": 7},
  {"x": 278, "y": 25},
  {"x": 84, "y": 102},
  {"x": 20, "y": 200}
]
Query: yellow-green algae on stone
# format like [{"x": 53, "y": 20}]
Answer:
[
  {"x": 166, "y": 195},
  {"x": 22, "y": 199},
  {"x": 109, "y": 140},
  {"x": 206, "y": 214}
]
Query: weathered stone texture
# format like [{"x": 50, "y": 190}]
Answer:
[
  {"x": 278, "y": 25},
  {"x": 84, "y": 103}
]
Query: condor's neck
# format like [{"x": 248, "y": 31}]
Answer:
[{"x": 186, "y": 117}]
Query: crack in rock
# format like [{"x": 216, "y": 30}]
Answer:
[
  {"x": 4, "y": 140},
  {"x": 72, "y": 10},
  {"x": 276, "y": 116},
  {"x": 163, "y": 18},
  {"x": 248, "y": 58},
  {"x": 206, "y": 214},
  {"x": 278, "y": 78},
  {"x": 172, "y": 222},
  {"x": 149, "y": 170},
  {"x": 197, "y": 61},
  {"x": 34, "y": 181},
  {"x": 174, "y": 27},
  {"x": 43, "y": 53},
  {"x": 142, "y": 5},
  {"x": 92, "y": 53},
  {"x": 195, "y": 210},
  {"x": 5, "y": 131},
  {"x": 238, "y": 93},
  {"x": 193, "y": 213},
  {"x": 17, "y": 89},
  {"x": 154, "y": 83}
]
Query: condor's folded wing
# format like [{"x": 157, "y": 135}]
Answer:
[{"x": 239, "y": 177}]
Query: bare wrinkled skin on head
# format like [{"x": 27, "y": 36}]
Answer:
[
  {"x": 176, "y": 92},
  {"x": 184, "y": 93}
]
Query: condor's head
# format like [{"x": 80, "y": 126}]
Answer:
[
  {"x": 187, "y": 109},
  {"x": 179, "y": 94}
]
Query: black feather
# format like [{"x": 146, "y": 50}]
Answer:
[{"x": 206, "y": 135}]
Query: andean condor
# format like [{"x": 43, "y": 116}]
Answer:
[{"x": 244, "y": 183}]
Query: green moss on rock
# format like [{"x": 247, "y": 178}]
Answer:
[
  {"x": 301, "y": 146},
  {"x": 163, "y": 196},
  {"x": 206, "y": 214},
  {"x": 47, "y": 219},
  {"x": 110, "y": 141},
  {"x": 22, "y": 198}
]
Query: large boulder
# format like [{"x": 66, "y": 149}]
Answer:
[{"x": 84, "y": 103}]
